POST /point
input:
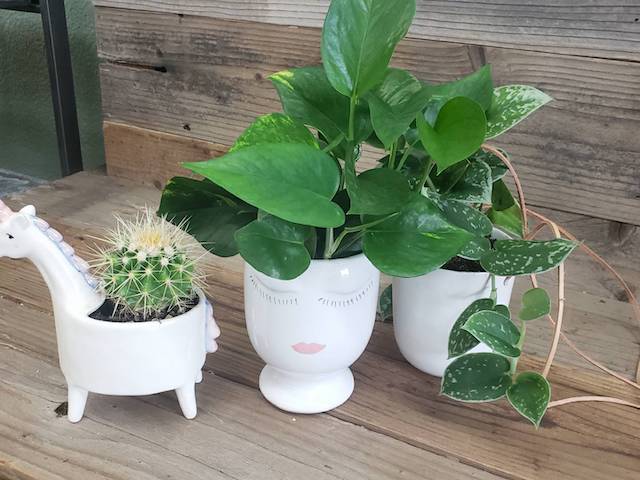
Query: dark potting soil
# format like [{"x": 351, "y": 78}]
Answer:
[
  {"x": 121, "y": 315},
  {"x": 459, "y": 264}
]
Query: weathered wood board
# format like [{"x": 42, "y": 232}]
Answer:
[
  {"x": 206, "y": 78},
  {"x": 604, "y": 28},
  {"x": 159, "y": 157},
  {"x": 409, "y": 431}
]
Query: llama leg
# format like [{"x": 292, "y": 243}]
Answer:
[
  {"x": 199, "y": 376},
  {"x": 77, "y": 399},
  {"x": 187, "y": 400}
]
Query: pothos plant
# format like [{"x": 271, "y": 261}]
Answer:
[{"x": 288, "y": 191}]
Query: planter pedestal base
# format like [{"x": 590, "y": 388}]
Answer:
[{"x": 306, "y": 393}]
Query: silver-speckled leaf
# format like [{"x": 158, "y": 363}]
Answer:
[
  {"x": 523, "y": 257},
  {"x": 477, "y": 377},
  {"x": 530, "y": 395},
  {"x": 498, "y": 168},
  {"x": 512, "y": 104},
  {"x": 496, "y": 331},
  {"x": 461, "y": 341},
  {"x": 474, "y": 186},
  {"x": 464, "y": 216},
  {"x": 475, "y": 248},
  {"x": 385, "y": 304}
]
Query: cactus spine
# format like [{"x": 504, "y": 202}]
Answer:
[{"x": 147, "y": 266}]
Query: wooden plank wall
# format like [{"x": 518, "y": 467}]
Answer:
[{"x": 182, "y": 78}]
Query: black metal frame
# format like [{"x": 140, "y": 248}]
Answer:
[{"x": 56, "y": 40}]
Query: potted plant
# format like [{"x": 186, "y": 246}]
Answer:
[
  {"x": 314, "y": 230},
  {"x": 143, "y": 326}
]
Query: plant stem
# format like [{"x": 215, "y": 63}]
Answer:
[
  {"x": 352, "y": 118},
  {"x": 328, "y": 243},
  {"x": 357, "y": 228},
  {"x": 425, "y": 177},
  {"x": 392, "y": 155},
  {"x": 336, "y": 141},
  {"x": 514, "y": 361},
  {"x": 494, "y": 290},
  {"x": 404, "y": 157}
]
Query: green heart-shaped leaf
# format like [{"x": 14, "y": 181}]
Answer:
[
  {"x": 523, "y": 257},
  {"x": 292, "y": 181},
  {"x": 446, "y": 180},
  {"x": 358, "y": 40},
  {"x": 530, "y": 395},
  {"x": 275, "y": 247},
  {"x": 395, "y": 103},
  {"x": 206, "y": 211},
  {"x": 478, "y": 87},
  {"x": 496, "y": 331},
  {"x": 274, "y": 128},
  {"x": 474, "y": 185},
  {"x": 458, "y": 132},
  {"x": 497, "y": 166},
  {"x": 512, "y": 104},
  {"x": 502, "y": 310},
  {"x": 477, "y": 377},
  {"x": 501, "y": 198},
  {"x": 461, "y": 341},
  {"x": 378, "y": 191},
  {"x": 509, "y": 220},
  {"x": 417, "y": 240},
  {"x": 307, "y": 96},
  {"x": 535, "y": 304}
]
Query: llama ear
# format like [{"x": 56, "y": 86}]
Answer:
[
  {"x": 21, "y": 222},
  {"x": 29, "y": 210}
]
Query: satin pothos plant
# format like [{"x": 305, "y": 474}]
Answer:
[{"x": 291, "y": 189}]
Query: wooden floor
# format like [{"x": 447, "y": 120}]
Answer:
[{"x": 395, "y": 426}]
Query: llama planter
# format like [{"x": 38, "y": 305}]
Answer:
[{"x": 110, "y": 358}]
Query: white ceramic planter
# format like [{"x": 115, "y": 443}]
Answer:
[
  {"x": 310, "y": 330},
  {"x": 107, "y": 357},
  {"x": 426, "y": 307},
  {"x": 143, "y": 358}
]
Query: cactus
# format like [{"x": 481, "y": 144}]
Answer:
[{"x": 147, "y": 268}]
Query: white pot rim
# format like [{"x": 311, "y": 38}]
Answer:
[
  {"x": 336, "y": 261},
  {"x": 148, "y": 325}
]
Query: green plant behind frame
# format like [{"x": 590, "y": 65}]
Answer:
[{"x": 289, "y": 189}]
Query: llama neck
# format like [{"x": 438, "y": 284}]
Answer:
[{"x": 70, "y": 285}]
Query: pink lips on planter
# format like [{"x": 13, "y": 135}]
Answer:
[{"x": 308, "y": 348}]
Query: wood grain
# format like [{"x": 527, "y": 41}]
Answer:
[
  {"x": 577, "y": 155},
  {"x": 236, "y": 434},
  {"x": 152, "y": 157},
  {"x": 159, "y": 156},
  {"x": 604, "y": 28},
  {"x": 391, "y": 398}
]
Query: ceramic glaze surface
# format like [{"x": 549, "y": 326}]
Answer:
[
  {"x": 426, "y": 307},
  {"x": 107, "y": 357},
  {"x": 310, "y": 330}
]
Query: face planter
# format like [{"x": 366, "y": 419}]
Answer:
[{"x": 310, "y": 330}]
